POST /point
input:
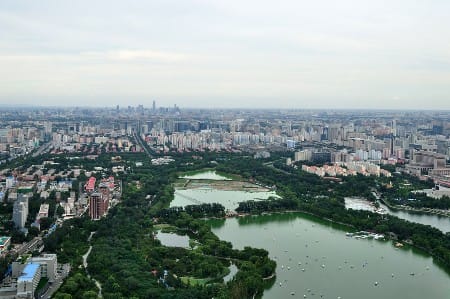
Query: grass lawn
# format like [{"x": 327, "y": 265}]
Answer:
[{"x": 188, "y": 280}]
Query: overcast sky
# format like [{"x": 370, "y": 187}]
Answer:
[{"x": 231, "y": 53}]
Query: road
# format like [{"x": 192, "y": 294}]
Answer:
[
  {"x": 30, "y": 246},
  {"x": 58, "y": 282},
  {"x": 139, "y": 140},
  {"x": 42, "y": 149}
]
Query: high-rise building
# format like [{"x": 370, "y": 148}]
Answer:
[
  {"x": 98, "y": 205},
  {"x": 302, "y": 155},
  {"x": 20, "y": 211},
  {"x": 394, "y": 127}
]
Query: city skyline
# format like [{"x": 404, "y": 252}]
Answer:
[{"x": 226, "y": 54}]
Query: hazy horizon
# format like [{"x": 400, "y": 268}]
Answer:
[{"x": 226, "y": 54}]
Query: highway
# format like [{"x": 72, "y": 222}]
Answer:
[
  {"x": 43, "y": 148},
  {"x": 140, "y": 142}
]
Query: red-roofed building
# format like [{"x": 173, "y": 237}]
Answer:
[{"x": 90, "y": 185}]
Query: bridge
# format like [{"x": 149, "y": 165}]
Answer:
[{"x": 191, "y": 199}]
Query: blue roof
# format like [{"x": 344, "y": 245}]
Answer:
[{"x": 29, "y": 272}]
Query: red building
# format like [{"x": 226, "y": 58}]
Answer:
[
  {"x": 98, "y": 205},
  {"x": 90, "y": 184}
]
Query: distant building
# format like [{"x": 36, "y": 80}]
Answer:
[
  {"x": 90, "y": 184},
  {"x": 98, "y": 205},
  {"x": 262, "y": 155},
  {"x": 20, "y": 211},
  {"x": 10, "y": 182},
  {"x": 321, "y": 157},
  {"x": 423, "y": 162},
  {"x": 28, "y": 281},
  {"x": 290, "y": 144},
  {"x": 43, "y": 210},
  {"x": 303, "y": 155}
]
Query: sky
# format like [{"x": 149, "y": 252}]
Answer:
[{"x": 226, "y": 54}]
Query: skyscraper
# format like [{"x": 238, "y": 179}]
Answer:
[
  {"x": 394, "y": 127},
  {"x": 20, "y": 211},
  {"x": 98, "y": 205}
]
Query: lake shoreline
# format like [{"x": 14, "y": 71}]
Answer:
[{"x": 447, "y": 267}]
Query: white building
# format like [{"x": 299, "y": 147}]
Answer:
[
  {"x": 20, "y": 211},
  {"x": 48, "y": 264},
  {"x": 302, "y": 155},
  {"x": 28, "y": 281}
]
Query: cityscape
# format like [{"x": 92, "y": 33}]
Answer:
[
  {"x": 66, "y": 167},
  {"x": 224, "y": 149}
]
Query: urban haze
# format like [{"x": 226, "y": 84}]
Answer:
[{"x": 224, "y": 149}]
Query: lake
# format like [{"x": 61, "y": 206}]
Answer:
[
  {"x": 172, "y": 239},
  {"x": 229, "y": 195},
  {"x": 229, "y": 199},
  {"x": 437, "y": 221},
  {"x": 205, "y": 175},
  {"x": 316, "y": 258},
  {"x": 440, "y": 222}
]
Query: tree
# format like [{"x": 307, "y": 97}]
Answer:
[
  {"x": 90, "y": 295},
  {"x": 45, "y": 223},
  {"x": 33, "y": 231},
  {"x": 63, "y": 296},
  {"x": 60, "y": 211}
]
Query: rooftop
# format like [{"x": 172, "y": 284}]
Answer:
[
  {"x": 3, "y": 240},
  {"x": 29, "y": 272}
]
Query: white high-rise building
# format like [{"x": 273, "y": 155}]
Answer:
[
  {"x": 304, "y": 155},
  {"x": 20, "y": 211}
]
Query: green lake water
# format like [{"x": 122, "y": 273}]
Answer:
[
  {"x": 440, "y": 222},
  {"x": 316, "y": 258}
]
